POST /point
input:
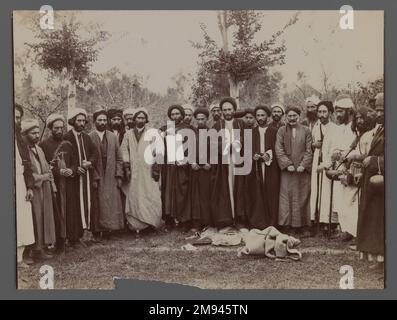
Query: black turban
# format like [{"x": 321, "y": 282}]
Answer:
[
  {"x": 201, "y": 110},
  {"x": 249, "y": 110},
  {"x": 230, "y": 100},
  {"x": 115, "y": 113},
  {"x": 328, "y": 104},
  {"x": 96, "y": 114},
  {"x": 264, "y": 108},
  {"x": 176, "y": 106},
  {"x": 293, "y": 108}
]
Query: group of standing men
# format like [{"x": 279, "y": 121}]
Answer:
[{"x": 303, "y": 173}]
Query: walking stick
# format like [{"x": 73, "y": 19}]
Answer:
[{"x": 331, "y": 205}]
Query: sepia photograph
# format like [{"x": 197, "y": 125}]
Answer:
[{"x": 216, "y": 149}]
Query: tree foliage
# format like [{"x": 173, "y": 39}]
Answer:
[{"x": 64, "y": 49}]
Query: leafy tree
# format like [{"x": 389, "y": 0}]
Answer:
[
  {"x": 241, "y": 58},
  {"x": 66, "y": 52}
]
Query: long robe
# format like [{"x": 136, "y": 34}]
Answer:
[
  {"x": 42, "y": 206},
  {"x": 262, "y": 185},
  {"x": 322, "y": 133},
  {"x": 78, "y": 188},
  {"x": 107, "y": 212},
  {"x": 143, "y": 198},
  {"x": 371, "y": 218},
  {"x": 224, "y": 184},
  {"x": 294, "y": 206},
  {"x": 201, "y": 187},
  {"x": 24, "y": 219},
  {"x": 58, "y": 153},
  {"x": 175, "y": 185},
  {"x": 345, "y": 201}
]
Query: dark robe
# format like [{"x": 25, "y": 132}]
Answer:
[
  {"x": 221, "y": 206},
  {"x": 107, "y": 212},
  {"x": 371, "y": 215},
  {"x": 120, "y": 135},
  {"x": 42, "y": 207},
  {"x": 175, "y": 187},
  {"x": 201, "y": 188},
  {"x": 27, "y": 165},
  {"x": 262, "y": 191},
  {"x": 74, "y": 224},
  {"x": 294, "y": 203},
  {"x": 58, "y": 155},
  {"x": 276, "y": 125}
]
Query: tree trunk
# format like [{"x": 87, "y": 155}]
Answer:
[
  {"x": 71, "y": 94},
  {"x": 235, "y": 91}
]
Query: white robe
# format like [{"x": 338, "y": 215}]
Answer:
[
  {"x": 324, "y": 183},
  {"x": 24, "y": 219},
  {"x": 345, "y": 200},
  {"x": 143, "y": 198}
]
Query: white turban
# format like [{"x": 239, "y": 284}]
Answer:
[
  {"x": 278, "y": 105},
  {"x": 344, "y": 103},
  {"x": 188, "y": 107},
  {"x": 29, "y": 124},
  {"x": 74, "y": 112},
  {"x": 214, "y": 105},
  {"x": 313, "y": 99},
  {"x": 54, "y": 117},
  {"x": 130, "y": 111}
]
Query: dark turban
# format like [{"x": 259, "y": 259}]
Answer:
[
  {"x": 293, "y": 108},
  {"x": 176, "y": 106},
  {"x": 328, "y": 104},
  {"x": 201, "y": 110},
  {"x": 97, "y": 113},
  {"x": 249, "y": 110},
  {"x": 139, "y": 111},
  {"x": 115, "y": 113},
  {"x": 230, "y": 100},
  {"x": 264, "y": 108}
]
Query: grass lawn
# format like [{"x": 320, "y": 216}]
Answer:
[{"x": 159, "y": 257}]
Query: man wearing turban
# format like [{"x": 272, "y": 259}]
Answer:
[
  {"x": 278, "y": 111},
  {"x": 107, "y": 211},
  {"x": 188, "y": 114},
  {"x": 311, "y": 111},
  {"x": 201, "y": 174},
  {"x": 294, "y": 155},
  {"x": 336, "y": 145},
  {"x": 262, "y": 185},
  {"x": 116, "y": 124},
  {"x": 224, "y": 177},
  {"x": 78, "y": 185},
  {"x": 175, "y": 174},
  {"x": 216, "y": 114},
  {"x": 58, "y": 153},
  {"x": 42, "y": 206},
  {"x": 24, "y": 184},
  {"x": 142, "y": 192},
  {"x": 129, "y": 118},
  {"x": 320, "y": 183},
  {"x": 371, "y": 218}
]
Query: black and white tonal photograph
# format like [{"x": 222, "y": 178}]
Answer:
[{"x": 213, "y": 149}]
